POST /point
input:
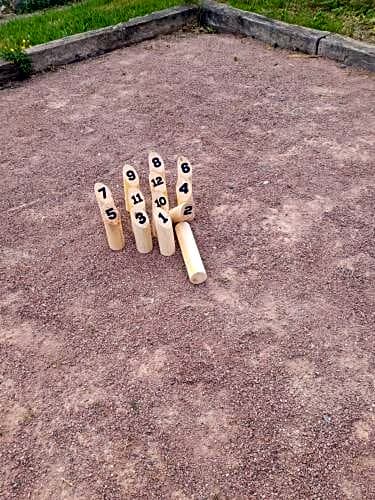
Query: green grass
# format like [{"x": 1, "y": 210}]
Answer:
[
  {"x": 355, "y": 18},
  {"x": 75, "y": 18}
]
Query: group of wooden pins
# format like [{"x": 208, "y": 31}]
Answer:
[{"x": 163, "y": 217}]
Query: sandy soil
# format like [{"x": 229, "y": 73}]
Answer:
[{"x": 121, "y": 380}]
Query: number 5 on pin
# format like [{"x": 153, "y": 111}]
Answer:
[{"x": 110, "y": 216}]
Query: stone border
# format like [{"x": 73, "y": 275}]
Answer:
[
  {"x": 289, "y": 36},
  {"x": 278, "y": 34},
  {"x": 220, "y": 17},
  {"x": 348, "y": 51},
  {"x": 92, "y": 43}
]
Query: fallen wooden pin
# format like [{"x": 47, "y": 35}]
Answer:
[
  {"x": 110, "y": 216},
  {"x": 190, "y": 253},
  {"x": 164, "y": 231},
  {"x": 142, "y": 230},
  {"x": 183, "y": 212},
  {"x": 130, "y": 181}
]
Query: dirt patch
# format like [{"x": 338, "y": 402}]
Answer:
[{"x": 119, "y": 379}]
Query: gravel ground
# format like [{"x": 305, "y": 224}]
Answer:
[{"x": 118, "y": 378}]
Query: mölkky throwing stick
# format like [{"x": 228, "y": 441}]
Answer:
[
  {"x": 131, "y": 181},
  {"x": 110, "y": 216},
  {"x": 142, "y": 230},
  {"x": 190, "y": 253}
]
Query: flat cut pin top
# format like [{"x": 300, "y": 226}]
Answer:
[
  {"x": 156, "y": 163},
  {"x": 110, "y": 216},
  {"x": 184, "y": 168}
]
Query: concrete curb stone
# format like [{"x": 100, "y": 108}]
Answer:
[
  {"x": 348, "y": 51},
  {"x": 228, "y": 19}
]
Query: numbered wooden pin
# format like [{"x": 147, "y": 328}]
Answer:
[
  {"x": 136, "y": 199},
  {"x": 157, "y": 182},
  {"x": 142, "y": 230},
  {"x": 190, "y": 253},
  {"x": 184, "y": 191},
  {"x": 159, "y": 200},
  {"x": 131, "y": 181},
  {"x": 183, "y": 212},
  {"x": 159, "y": 195},
  {"x": 184, "y": 169},
  {"x": 164, "y": 231},
  {"x": 110, "y": 216},
  {"x": 156, "y": 163}
]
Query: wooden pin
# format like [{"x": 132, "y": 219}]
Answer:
[
  {"x": 184, "y": 168},
  {"x": 142, "y": 230},
  {"x": 164, "y": 231},
  {"x": 190, "y": 253},
  {"x": 159, "y": 195},
  {"x": 183, "y": 212},
  {"x": 156, "y": 163},
  {"x": 157, "y": 182},
  {"x": 130, "y": 181},
  {"x": 110, "y": 216},
  {"x": 184, "y": 191},
  {"x": 136, "y": 199},
  {"x": 159, "y": 200}
]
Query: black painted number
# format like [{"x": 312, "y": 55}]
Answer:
[
  {"x": 185, "y": 167},
  {"x": 158, "y": 181},
  {"x": 102, "y": 190},
  {"x": 111, "y": 214},
  {"x": 140, "y": 217},
  {"x": 160, "y": 202},
  {"x": 188, "y": 210},
  {"x": 163, "y": 218},
  {"x": 156, "y": 162},
  {"x": 137, "y": 198},
  {"x": 130, "y": 175},
  {"x": 184, "y": 188}
]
